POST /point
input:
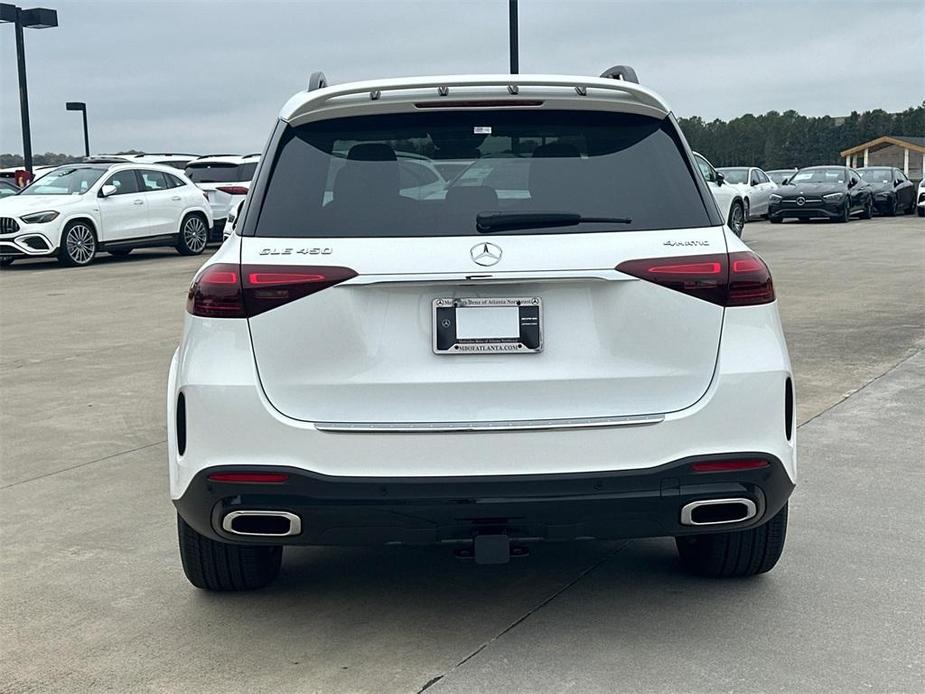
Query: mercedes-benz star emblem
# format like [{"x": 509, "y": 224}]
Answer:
[
  {"x": 801, "y": 201},
  {"x": 485, "y": 254}
]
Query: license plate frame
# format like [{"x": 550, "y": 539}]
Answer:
[{"x": 529, "y": 319}]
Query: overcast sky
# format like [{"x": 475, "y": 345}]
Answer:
[{"x": 210, "y": 76}]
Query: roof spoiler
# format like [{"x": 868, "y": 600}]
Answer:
[{"x": 621, "y": 72}]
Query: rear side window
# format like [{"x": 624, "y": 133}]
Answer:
[
  {"x": 354, "y": 177},
  {"x": 154, "y": 180},
  {"x": 221, "y": 173},
  {"x": 173, "y": 181}
]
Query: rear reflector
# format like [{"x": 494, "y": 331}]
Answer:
[
  {"x": 739, "y": 279},
  {"x": 233, "y": 190},
  {"x": 250, "y": 477},
  {"x": 231, "y": 291},
  {"x": 729, "y": 465}
]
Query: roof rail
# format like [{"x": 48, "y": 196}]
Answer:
[
  {"x": 317, "y": 80},
  {"x": 206, "y": 156},
  {"x": 255, "y": 154},
  {"x": 621, "y": 72}
]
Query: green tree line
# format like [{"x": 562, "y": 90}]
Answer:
[
  {"x": 49, "y": 158},
  {"x": 784, "y": 140},
  {"x": 771, "y": 141}
]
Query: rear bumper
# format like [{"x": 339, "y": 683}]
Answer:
[{"x": 602, "y": 505}]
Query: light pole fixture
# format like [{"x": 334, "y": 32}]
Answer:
[
  {"x": 512, "y": 25},
  {"x": 35, "y": 18},
  {"x": 82, "y": 107}
]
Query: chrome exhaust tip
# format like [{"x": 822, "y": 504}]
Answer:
[
  {"x": 718, "y": 511},
  {"x": 262, "y": 523}
]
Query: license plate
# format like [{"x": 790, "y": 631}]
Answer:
[{"x": 488, "y": 325}]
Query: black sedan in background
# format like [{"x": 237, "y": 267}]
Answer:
[
  {"x": 831, "y": 192},
  {"x": 893, "y": 193}
]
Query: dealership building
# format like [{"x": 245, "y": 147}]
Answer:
[{"x": 906, "y": 153}]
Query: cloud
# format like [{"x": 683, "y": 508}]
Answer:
[{"x": 211, "y": 76}]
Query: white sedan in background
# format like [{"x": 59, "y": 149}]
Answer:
[
  {"x": 77, "y": 210},
  {"x": 754, "y": 185},
  {"x": 729, "y": 198}
]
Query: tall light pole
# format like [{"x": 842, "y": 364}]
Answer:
[
  {"x": 81, "y": 106},
  {"x": 36, "y": 18},
  {"x": 512, "y": 21}
]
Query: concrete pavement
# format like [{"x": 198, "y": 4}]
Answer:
[{"x": 94, "y": 599}]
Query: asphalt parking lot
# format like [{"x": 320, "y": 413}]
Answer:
[{"x": 94, "y": 597}]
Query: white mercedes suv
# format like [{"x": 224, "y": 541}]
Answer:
[
  {"x": 79, "y": 209},
  {"x": 488, "y": 366},
  {"x": 225, "y": 180}
]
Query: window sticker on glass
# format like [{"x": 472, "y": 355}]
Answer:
[{"x": 482, "y": 130}]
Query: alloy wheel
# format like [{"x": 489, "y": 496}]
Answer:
[
  {"x": 81, "y": 244},
  {"x": 194, "y": 234}
]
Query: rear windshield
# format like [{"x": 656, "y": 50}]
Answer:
[
  {"x": 221, "y": 173},
  {"x": 877, "y": 175},
  {"x": 350, "y": 177}
]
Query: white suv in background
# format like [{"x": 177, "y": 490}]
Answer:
[
  {"x": 568, "y": 356},
  {"x": 225, "y": 178},
  {"x": 79, "y": 209}
]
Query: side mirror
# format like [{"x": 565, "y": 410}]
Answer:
[
  {"x": 108, "y": 190},
  {"x": 720, "y": 178}
]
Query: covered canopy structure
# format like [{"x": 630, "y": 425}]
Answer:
[{"x": 903, "y": 152}]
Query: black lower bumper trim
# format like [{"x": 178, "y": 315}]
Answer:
[{"x": 602, "y": 505}]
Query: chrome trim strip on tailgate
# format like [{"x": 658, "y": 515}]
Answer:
[{"x": 502, "y": 425}]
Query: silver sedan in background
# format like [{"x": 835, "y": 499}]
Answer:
[{"x": 754, "y": 185}]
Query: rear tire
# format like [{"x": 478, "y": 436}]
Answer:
[
  {"x": 775, "y": 220},
  {"x": 921, "y": 211},
  {"x": 222, "y": 566},
  {"x": 193, "y": 236},
  {"x": 735, "y": 554},
  {"x": 6, "y": 262},
  {"x": 737, "y": 218}
]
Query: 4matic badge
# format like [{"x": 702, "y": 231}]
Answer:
[
  {"x": 686, "y": 243},
  {"x": 299, "y": 251}
]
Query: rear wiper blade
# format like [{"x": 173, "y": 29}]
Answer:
[{"x": 487, "y": 222}]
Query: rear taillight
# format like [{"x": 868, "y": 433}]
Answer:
[
  {"x": 739, "y": 279},
  {"x": 216, "y": 293},
  {"x": 749, "y": 280},
  {"x": 232, "y": 291},
  {"x": 233, "y": 190}
]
